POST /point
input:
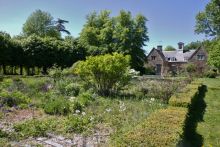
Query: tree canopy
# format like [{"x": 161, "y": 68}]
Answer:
[
  {"x": 207, "y": 21},
  {"x": 40, "y": 23},
  {"x": 123, "y": 34},
  {"x": 214, "y": 54},
  {"x": 170, "y": 48}
]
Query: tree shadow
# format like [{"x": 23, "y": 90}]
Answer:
[{"x": 195, "y": 115}]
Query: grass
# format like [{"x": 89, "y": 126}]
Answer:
[{"x": 210, "y": 127}]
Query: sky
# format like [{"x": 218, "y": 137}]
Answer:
[{"x": 169, "y": 21}]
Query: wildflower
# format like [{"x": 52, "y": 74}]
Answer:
[
  {"x": 72, "y": 98},
  {"x": 83, "y": 113},
  {"x": 77, "y": 111},
  {"x": 91, "y": 118},
  {"x": 152, "y": 99},
  {"x": 108, "y": 110}
]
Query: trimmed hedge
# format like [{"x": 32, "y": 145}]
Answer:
[
  {"x": 162, "y": 128},
  {"x": 168, "y": 127},
  {"x": 184, "y": 98}
]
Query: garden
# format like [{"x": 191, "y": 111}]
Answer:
[{"x": 78, "y": 108}]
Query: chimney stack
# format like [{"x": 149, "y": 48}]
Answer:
[
  {"x": 160, "y": 48},
  {"x": 180, "y": 45}
]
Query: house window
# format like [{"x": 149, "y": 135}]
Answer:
[
  {"x": 173, "y": 59},
  {"x": 153, "y": 57},
  {"x": 200, "y": 57}
]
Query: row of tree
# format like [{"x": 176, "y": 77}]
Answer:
[
  {"x": 36, "y": 52},
  {"x": 40, "y": 44}
]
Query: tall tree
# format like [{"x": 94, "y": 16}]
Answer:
[
  {"x": 214, "y": 54},
  {"x": 104, "y": 34},
  {"x": 40, "y": 23},
  {"x": 207, "y": 22},
  {"x": 60, "y": 25}
]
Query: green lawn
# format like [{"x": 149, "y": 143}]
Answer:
[{"x": 210, "y": 127}]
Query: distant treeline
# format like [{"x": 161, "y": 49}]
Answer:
[{"x": 34, "y": 54}]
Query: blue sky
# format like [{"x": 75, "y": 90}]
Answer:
[{"x": 170, "y": 21}]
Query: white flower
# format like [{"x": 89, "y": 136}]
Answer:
[
  {"x": 91, "y": 118},
  {"x": 108, "y": 110},
  {"x": 77, "y": 111},
  {"x": 152, "y": 99},
  {"x": 72, "y": 98},
  {"x": 83, "y": 113}
]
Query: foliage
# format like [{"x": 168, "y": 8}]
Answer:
[
  {"x": 3, "y": 134},
  {"x": 77, "y": 124},
  {"x": 193, "y": 45},
  {"x": 207, "y": 22},
  {"x": 35, "y": 128},
  {"x": 157, "y": 130},
  {"x": 170, "y": 48},
  {"x": 107, "y": 73},
  {"x": 190, "y": 68},
  {"x": 57, "y": 106},
  {"x": 211, "y": 74},
  {"x": 123, "y": 34},
  {"x": 40, "y": 23},
  {"x": 183, "y": 99},
  {"x": 214, "y": 54},
  {"x": 14, "y": 99}
]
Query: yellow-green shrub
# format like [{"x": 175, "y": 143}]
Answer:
[
  {"x": 184, "y": 98},
  {"x": 162, "y": 128}
]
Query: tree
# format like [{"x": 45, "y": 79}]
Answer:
[
  {"x": 107, "y": 73},
  {"x": 40, "y": 23},
  {"x": 60, "y": 25},
  {"x": 214, "y": 54},
  {"x": 123, "y": 34},
  {"x": 207, "y": 22},
  {"x": 170, "y": 48}
]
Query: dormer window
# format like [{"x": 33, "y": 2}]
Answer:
[
  {"x": 173, "y": 59},
  {"x": 153, "y": 57},
  {"x": 200, "y": 57}
]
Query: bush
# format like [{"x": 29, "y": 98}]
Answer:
[
  {"x": 77, "y": 124},
  {"x": 56, "y": 73},
  {"x": 184, "y": 98},
  {"x": 14, "y": 99},
  {"x": 162, "y": 128},
  {"x": 72, "y": 89},
  {"x": 1, "y": 78},
  {"x": 107, "y": 73},
  {"x": 3, "y": 134},
  {"x": 35, "y": 128},
  {"x": 57, "y": 106},
  {"x": 211, "y": 74}
]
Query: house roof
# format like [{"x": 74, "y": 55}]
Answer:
[{"x": 179, "y": 55}]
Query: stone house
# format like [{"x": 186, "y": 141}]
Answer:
[{"x": 165, "y": 62}]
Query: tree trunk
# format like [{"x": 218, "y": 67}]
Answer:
[{"x": 21, "y": 70}]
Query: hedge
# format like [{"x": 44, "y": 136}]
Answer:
[
  {"x": 162, "y": 128},
  {"x": 184, "y": 98},
  {"x": 167, "y": 127}
]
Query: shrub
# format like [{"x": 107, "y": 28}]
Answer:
[
  {"x": 184, "y": 98},
  {"x": 211, "y": 74},
  {"x": 56, "y": 73},
  {"x": 35, "y": 128},
  {"x": 72, "y": 89},
  {"x": 162, "y": 128},
  {"x": 107, "y": 73},
  {"x": 57, "y": 106},
  {"x": 1, "y": 78},
  {"x": 77, "y": 124},
  {"x": 14, "y": 99},
  {"x": 3, "y": 134}
]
